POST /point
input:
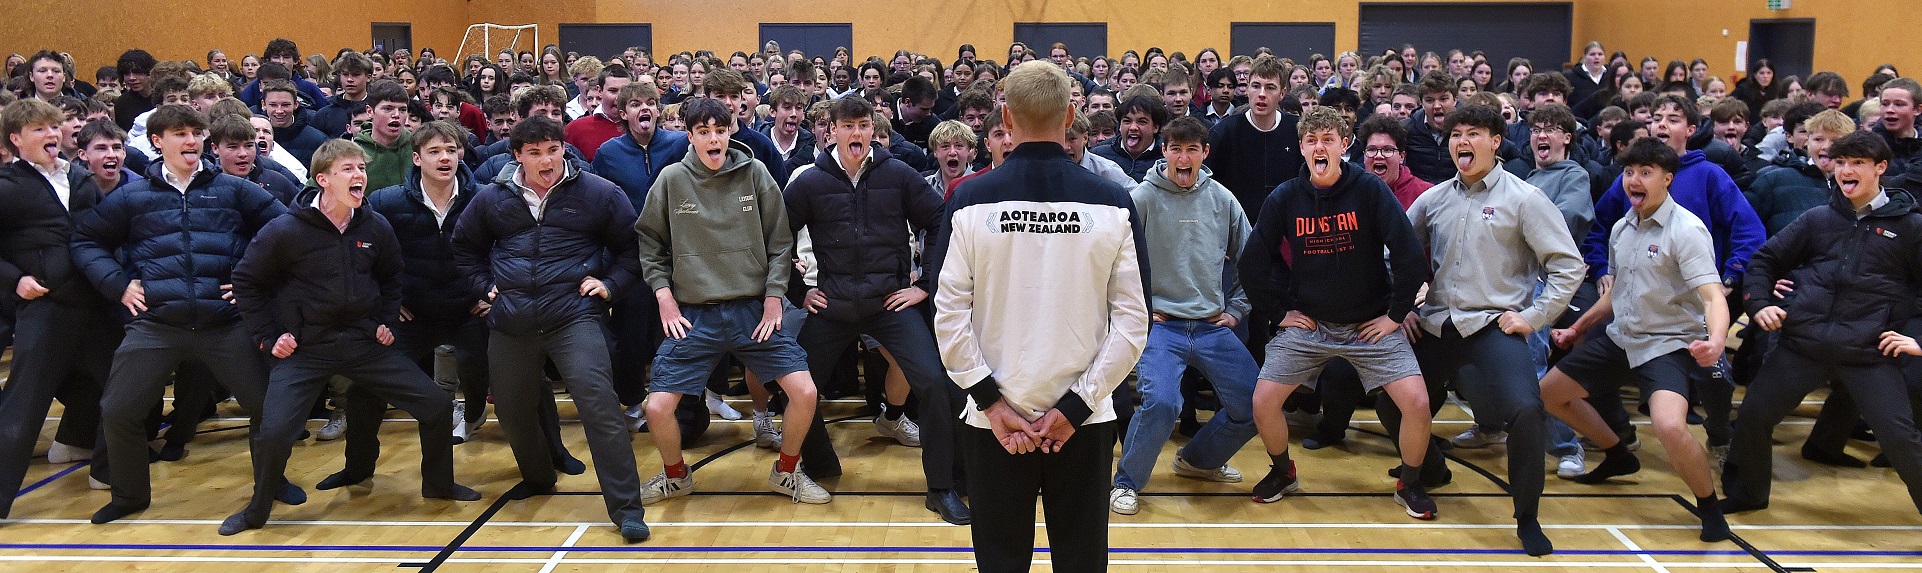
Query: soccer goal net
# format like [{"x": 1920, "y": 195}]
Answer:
[{"x": 489, "y": 39}]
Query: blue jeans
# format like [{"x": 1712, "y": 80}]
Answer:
[{"x": 1173, "y": 346}]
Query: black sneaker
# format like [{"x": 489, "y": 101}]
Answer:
[
  {"x": 1277, "y": 485},
  {"x": 1414, "y": 499}
]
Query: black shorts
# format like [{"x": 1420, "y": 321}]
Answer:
[{"x": 1602, "y": 367}]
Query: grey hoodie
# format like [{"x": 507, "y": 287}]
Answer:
[
  {"x": 716, "y": 235},
  {"x": 1566, "y": 183},
  {"x": 1192, "y": 234}
]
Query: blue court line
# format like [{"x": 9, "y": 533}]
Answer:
[
  {"x": 49, "y": 479},
  {"x": 914, "y": 549}
]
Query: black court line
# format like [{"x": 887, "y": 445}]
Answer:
[
  {"x": 492, "y": 510},
  {"x": 1498, "y": 481},
  {"x": 1758, "y": 554}
]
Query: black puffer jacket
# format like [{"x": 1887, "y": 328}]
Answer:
[
  {"x": 181, "y": 246},
  {"x": 538, "y": 266},
  {"x": 1855, "y": 278},
  {"x": 430, "y": 284},
  {"x": 861, "y": 231},
  {"x": 34, "y": 241},
  {"x": 306, "y": 277}
]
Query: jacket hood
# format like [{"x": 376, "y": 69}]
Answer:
[
  {"x": 1350, "y": 172},
  {"x": 829, "y": 161},
  {"x": 1562, "y": 166},
  {"x": 1694, "y": 157},
  {"x": 739, "y": 156},
  {"x": 1158, "y": 177}
]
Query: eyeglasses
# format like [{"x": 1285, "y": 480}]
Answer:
[
  {"x": 1548, "y": 129},
  {"x": 1382, "y": 152}
]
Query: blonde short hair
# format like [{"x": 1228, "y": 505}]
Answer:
[
  {"x": 1037, "y": 96},
  {"x": 208, "y": 84},
  {"x": 1831, "y": 122},
  {"x": 333, "y": 151}
]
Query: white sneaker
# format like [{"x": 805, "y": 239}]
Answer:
[
  {"x": 663, "y": 487},
  {"x": 97, "y": 485},
  {"x": 460, "y": 423},
  {"x": 1717, "y": 455},
  {"x": 766, "y": 435},
  {"x": 900, "y": 430},
  {"x": 1474, "y": 437},
  {"x": 1223, "y": 474},
  {"x": 1571, "y": 465},
  {"x": 720, "y": 408},
  {"x": 335, "y": 427},
  {"x": 636, "y": 417},
  {"x": 1124, "y": 501},
  {"x": 59, "y": 453},
  {"x": 796, "y": 485}
]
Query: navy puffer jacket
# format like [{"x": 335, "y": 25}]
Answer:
[
  {"x": 431, "y": 285},
  {"x": 587, "y": 230},
  {"x": 181, "y": 246}
]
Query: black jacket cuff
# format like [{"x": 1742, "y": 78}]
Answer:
[
  {"x": 985, "y": 393},
  {"x": 1074, "y": 408}
]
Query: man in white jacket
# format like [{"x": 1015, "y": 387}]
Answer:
[{"x": 1040, "y": 312}]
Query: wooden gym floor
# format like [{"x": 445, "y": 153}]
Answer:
[{"x": 1822, "y": 518}]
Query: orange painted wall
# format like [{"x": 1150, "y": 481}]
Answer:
[
  {"x": 186, "y": 29},
  {"x": 1846, "y": 40}
]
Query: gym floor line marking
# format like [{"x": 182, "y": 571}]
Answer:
[
  {"x": 1646, "y": 558},
  {"x": 1112, "y": 562},
  {"x": 1111, "y": 525},
  {"x": 570, "y": 546}
]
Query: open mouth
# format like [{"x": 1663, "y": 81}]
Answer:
[
  {"x": 445, "y": 170},
  {"x": 954, "y": 163},
  {"x": 1131, "y": 140},
  {"x": 1378, "y": 167},
  {"x": 858, "y": 148},
  {"x": 715, "y": 154},
  {"x": 358, "y": 190},
  {"x": 1184, "y": 173},
  {"x": 1848, "y": 186},
  {"x": 1636, "y": 196},
  {"x": 1463, "y": 159},
  {"x": 1320, "y": 163},
  {"x": 1541, "y": 151}
]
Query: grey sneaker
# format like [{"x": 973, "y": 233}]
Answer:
[
  {"x": 663, "y": 487},
  {"x": 797, "y": 485},
  {"x": 335, "y": 427},
  {"x": 766, "y": 434},
  {"x": 1223, "y": 474},
  {"x": 900, "y": 430},
  {"x": 1476, "y": 438}
]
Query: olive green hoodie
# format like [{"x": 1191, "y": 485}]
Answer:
[{"x": 716, "y": 235}]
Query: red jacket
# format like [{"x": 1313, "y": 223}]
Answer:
[
  {"x": 589, "y": 132},
  {"x": 1408, "y": 187}
]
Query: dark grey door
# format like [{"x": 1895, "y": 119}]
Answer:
[
  {"x": 810, "y": 39},
  {"x": 603, "y": 40},
  {"x": 1788, "y": 44},
  {"x": 1539, "y": 31},
  {"x": 1083, "y": 39},
  {"x": 390, "y": 36},
  {"x": 1296, "y": 40}
]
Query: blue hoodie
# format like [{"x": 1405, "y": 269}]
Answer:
[
  {"x": 633, "y": 167},
  {"x": 1707, "y": 192}
]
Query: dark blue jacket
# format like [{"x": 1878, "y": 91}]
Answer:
[
  {"x": 764, "y": 151},
  {"x": 431, "y": 285},
  {"x": 1706, "y": 191},
  {"x": 331, "y": 119},
  {"x": 803, "y": 153},
  {"x": 537, "y": 265},
  {"x": 1855, "y": 278},
  {"x": 310, "y": 95},
  {"x": 1786, "y": 189},
  {"x": 180, "y": 246},
  {"x": 299, "y": 138},
  {"x": 1136, "y": 167},
  {"x": 633, "y": 167}
]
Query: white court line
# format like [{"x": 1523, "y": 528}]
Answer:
[
  {"x": 1111, "y": 525},
  {"x": 1122, "y": 562},
  {"x": 555, "y": 561},
  {"x": 1626, "y": 542}
]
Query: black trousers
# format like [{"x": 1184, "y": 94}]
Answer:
[
  {"x": 416, "y": 340},
  {"x": 1072, "y": 485},
  {"x": 60, "y": 352},
  {"x": 636, "y": 328},
  {"x": 1494, "y": 371},
  {"x": 194, "y": 391},
  {"x": 579, "y": 350},
  {"x": 148, "y": 354},
  {"x": 1877, "y": 388},
  {"x": 1837, "y": 421},
  {"x": 906, "y": 335},
  {"x": 298, "y": 381}
]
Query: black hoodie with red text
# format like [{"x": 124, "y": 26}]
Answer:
[{"x": 1319, "y": 251}]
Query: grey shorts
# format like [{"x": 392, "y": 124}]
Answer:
[{"x": 1297, "y": 356}]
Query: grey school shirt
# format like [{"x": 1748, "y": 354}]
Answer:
[
  {"x": 1658, "y": 262},
  {"x": 1487, "y": 243}
]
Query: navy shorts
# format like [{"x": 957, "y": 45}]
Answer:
[
  {"x": 1602, "y": 367},
  {"x": 725, "y": 328}
]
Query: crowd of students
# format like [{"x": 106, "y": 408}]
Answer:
[{"x": 320, "y": 238}]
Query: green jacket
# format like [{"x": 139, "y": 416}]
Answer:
[
  {"x": 387, "y": 166},
  {"x": 716, "y": 235}
]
